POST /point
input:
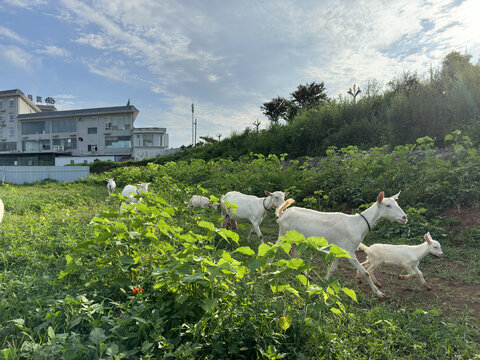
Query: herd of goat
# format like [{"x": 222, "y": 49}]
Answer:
[{"x": 344, "y": 230}]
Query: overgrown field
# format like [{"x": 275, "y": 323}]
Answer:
[{"x": 79, "y": 280}]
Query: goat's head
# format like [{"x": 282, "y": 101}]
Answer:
[
  {"x": 389, "y": 208},
  {"x": 433, "y": 245},
  {"x": 143, "y": 187},
  {"x": 109, "y": 180},
  {"x": 278, "y": 197}
]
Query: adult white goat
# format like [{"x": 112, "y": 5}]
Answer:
[
  {"x": 199, "y": 202},
  {"x": 250, "y": 208},
  {"x": 130, "y": 191},
  {"x": 406, "y": 256},
  {"x": 346, "y": 231},
  {"x": 111, "y": 186}
]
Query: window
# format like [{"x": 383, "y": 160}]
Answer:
[
  {"x": 11, "y": 117},
  {"x": 147, "y": 139},
  {"x": 117, "y": 142},
  {"x": 12, "y": 131},
  {"x": 1, "y": 118},
  {"x": 118, "y": 122},
  {"x": 35, "y": 145},
  {"x": 35, "y": 127},
  {"x": 92, "y": 147},
  {"x": 64, "y": 125},
  {"x": 72, "y": 162},
  {"x": 1, "y": 104},
  {"x": 92, "y": 130},
  {"x": 8, "y": 146},
  {"x": 11, "y": 102},
  {"x": 64, "y": 144},
  {"x": 1, "y": 132}
]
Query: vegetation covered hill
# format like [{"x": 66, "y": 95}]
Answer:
[{"x": 447, "y": 99}]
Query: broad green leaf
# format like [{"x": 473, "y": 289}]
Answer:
[
  {"x": 317, "y": 241},
  {"x": 209, "y": 305},
  {"x": 245, "y": 250},
  {"x": 293, "y": 237},
  {"x": 263, "y": 249},
  {"x": 97, "y": 336},
  {"x": 193, "y": 277},
  {"x": 302, "y": 279},
  {"x": 284, "y": 322},
  {"x": 350, "y": 293},
  {"x": 295, "y": 263},
  {"x": 338, "y": 251},
  {"x": 336, "y": 311},
  {"x": 51, "y": 332},
  {"x": 206, "y": 225}
]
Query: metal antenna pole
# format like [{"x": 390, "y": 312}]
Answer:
[{"x": 193, "y": 130}]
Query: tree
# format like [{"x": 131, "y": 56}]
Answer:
[
  {"x": 354, "y": 92},
  {"x": 309, "y": 95},
  {"x": 275, "y": 109}
]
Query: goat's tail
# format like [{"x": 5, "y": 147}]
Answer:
[
  {"x": 362, "y": 247},
  {"x": 279, "y": 211}
]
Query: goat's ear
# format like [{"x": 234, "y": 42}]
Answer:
[
  {"x": 268, "y": 193},
  {"x": 428, "y": 237},
  {"x": 395, "y": 197},
  {"x": 286, "y": 193},
  {"x": 380, "y": 197}
]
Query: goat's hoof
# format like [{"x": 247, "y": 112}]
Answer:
[
  {"x": 429, "y": 288},
  {"x": 381, "y": 296}
]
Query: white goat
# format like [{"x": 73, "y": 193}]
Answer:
[
  {"x": 406, "y": 256},
  {"x": 130, "y": 191},
  {"x": 346, "y": 231},
  {"x": 111, "y": 186},
  {"x": 249, "y": 209},
  {"x": 2, "y": 210},
  {"x": 199, "y": 202}
]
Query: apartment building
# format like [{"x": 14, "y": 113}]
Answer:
[{"x": 38, "y": 134}]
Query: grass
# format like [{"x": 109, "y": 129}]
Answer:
[{"x": 42, "y": 316}]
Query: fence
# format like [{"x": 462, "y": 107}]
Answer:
[{"x": 30, "y": 174}]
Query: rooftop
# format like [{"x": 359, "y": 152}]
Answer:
[{"x": 84, "y": 112}]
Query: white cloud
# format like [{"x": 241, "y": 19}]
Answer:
[
  {"x": 64, "y": 96},
  {"x": 18, "y": 57},
  {"x": 27, "y": 4},
  {"x": 53, "y": 50},
  {"x": 6, "y": 32}
]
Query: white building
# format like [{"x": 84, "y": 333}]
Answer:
[{"x": 38, "y": 134}]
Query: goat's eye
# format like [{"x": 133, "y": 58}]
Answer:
[{"x": 389, "y": 205}]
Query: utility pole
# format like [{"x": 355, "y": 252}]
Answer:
[
  {"x": 195, "y": 140},
  {"x": 219, "y": 136},
  {"x": 257, "y": 124},
  {"x": 193, "y": 126}
]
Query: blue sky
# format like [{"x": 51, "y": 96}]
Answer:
[{"x": 226, "y": 57}]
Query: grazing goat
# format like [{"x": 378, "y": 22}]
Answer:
[
  {"x": 346, "y": 231},
  {"x": 406, "y": 256},
  {"x": 111, "y": 186},
  {"x": 199, "y": 202},
  {"x": 2, "y": 210},
  {"x": 249, "y": 209},
  {"x": 130, "y": 191}
]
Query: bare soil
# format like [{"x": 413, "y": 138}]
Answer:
[{"x": 450, "y": 295}]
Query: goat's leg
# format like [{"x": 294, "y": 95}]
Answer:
[
  {"x": 404, "y": 277},
  {"x": 422, "y": 280},
  {"x": 333, "y": 267},
  {"x": 256, "y": 229},
  {"x": 366, "y": 276},
  {"x": 359, "y": 276},
  {"x": 370, "y": 270}
]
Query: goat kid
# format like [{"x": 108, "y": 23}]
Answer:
[
  {"x": 111, "y": 186},
  {"x": 406, "y": 256},
  {"x": 250, "y": 208},
  {"x": 199, "y": 202},
  {"x": 343, "y": 230}
]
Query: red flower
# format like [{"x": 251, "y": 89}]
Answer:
[{"x": 137, "y": 290}]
